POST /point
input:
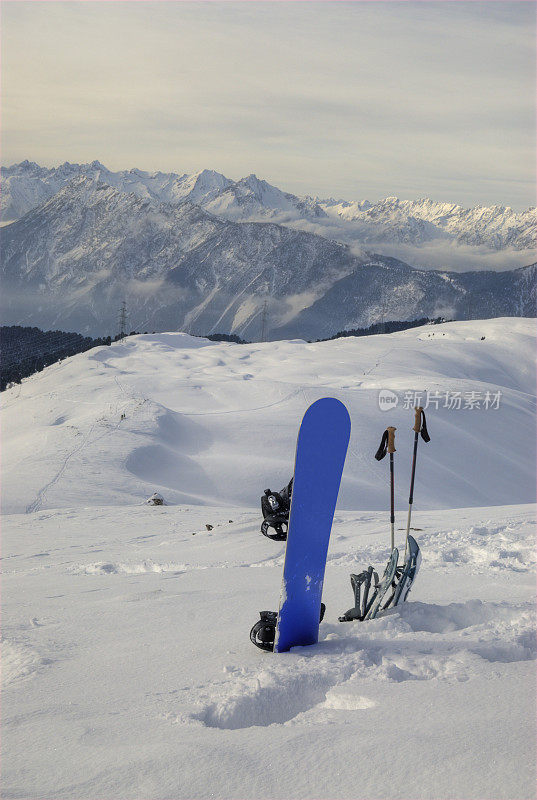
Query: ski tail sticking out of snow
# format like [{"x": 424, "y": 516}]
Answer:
[{"x": 320, "y": 455}]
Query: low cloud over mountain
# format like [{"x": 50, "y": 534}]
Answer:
[{"x": 70, "y": 262}]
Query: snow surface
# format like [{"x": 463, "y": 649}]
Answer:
[
  {"x": 127, "y": 667},
  {"x": 216, "y": 423}
]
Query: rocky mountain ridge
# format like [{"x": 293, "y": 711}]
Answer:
[{"x": 71, "y": 262}]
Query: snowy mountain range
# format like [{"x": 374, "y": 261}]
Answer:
[
  {"x": 184, "y": 253},
  {"x": 72, "y": 260},
  {"x": 27, "y": 185}
]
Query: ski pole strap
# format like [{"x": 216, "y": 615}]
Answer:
[
  {"x": 383, "y": 447},
  {"x": 424, "y": 432},
  {"x": 420, "y": 424},
  {"x": 387, "y": 443}
]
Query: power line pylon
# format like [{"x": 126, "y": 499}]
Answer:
[
  {"x": 264, "y": 323},
  {"x": 122, "y": 322}
]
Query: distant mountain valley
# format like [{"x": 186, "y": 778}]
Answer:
[{"x": 206, "y": 254}]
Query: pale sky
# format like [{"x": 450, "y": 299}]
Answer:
[{"x": 350, "y": 100}]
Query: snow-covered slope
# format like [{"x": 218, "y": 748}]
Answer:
[
  {"x": 208, "y": 423},
  {"x": 128, "y": 672},
  {"x": 126, "y": 665},
  {"x": 71, "y": 262}
]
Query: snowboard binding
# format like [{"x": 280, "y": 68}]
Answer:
[
  {"x": 263, "y": 632},
  {"x": 275, "y": 507}
]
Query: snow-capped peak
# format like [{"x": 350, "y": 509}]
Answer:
[
  {"x": 357, "y": 222},
  {"x": 207, "y": 180}
]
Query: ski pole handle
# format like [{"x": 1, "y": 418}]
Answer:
[
  {"x": 418, "y": 412},
  {"x": 391, "y": 439}
]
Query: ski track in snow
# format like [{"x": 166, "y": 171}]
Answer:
[
  {"x": 246, "y": 410},
  {"x": 36, "y": 504}
]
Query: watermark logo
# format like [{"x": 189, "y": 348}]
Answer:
[
  {"x": 452, "y": 400},
  {"x": 387, "y": 400}
]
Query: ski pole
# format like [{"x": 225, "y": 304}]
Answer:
[
  {"x": 391, "y": 451},
  {"x": 387, "y": 445},
  {"x": 420, "y": 426}
]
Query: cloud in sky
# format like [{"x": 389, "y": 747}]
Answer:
[{"x": 348, "y": 99}]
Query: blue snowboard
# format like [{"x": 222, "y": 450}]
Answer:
[{"x": 320, "y": 456}]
